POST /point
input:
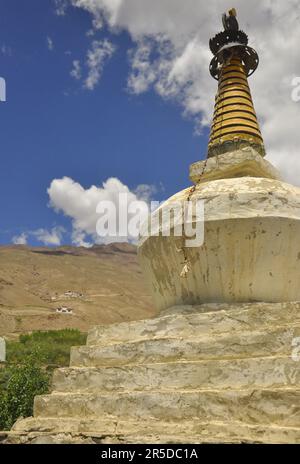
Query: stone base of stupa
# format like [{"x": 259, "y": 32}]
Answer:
[{"x": 196, "y": 374}]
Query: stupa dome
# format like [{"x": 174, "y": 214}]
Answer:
[{"x": 250, "y": 250}]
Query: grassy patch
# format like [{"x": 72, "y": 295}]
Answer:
[{"x": 53, "y": 347}]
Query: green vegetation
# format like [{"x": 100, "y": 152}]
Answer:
[
  {"x": 20, "y": 384},
  {"x": 27, "y": 372},
  {"x": 53, "y": 347}
]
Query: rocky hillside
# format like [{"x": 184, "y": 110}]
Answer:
[{"x": 55, "y": 288}]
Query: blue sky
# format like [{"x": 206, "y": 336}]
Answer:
[
  {"x": 51, "y": 126},
  {"x": 115, "y": 89}
]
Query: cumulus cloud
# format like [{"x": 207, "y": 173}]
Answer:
[
  {"x": 80, "y": 204},
  {"x": 52, "y": 237},
  {"x": 20, "y": 239},
  {"x": 79, "y": 238},
  {"x": 170, "y": 55},
  {"x": 97, "y": 56}
]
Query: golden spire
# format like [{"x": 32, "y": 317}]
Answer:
[{"x": 235, "y": 123}]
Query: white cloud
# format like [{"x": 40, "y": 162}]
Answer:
[
  {"x": 20, "y": 239},
  {"x": 97, "y": 56},
  {"x": 60, "y": 7},
  {"x": 145, "y": 192},
  {"x": 143, "y": 72},
  {"x": 50, "y": 44},
  {"x": 99, "y": 9},
  {"x": 171, "y": 56},
  {"x": 52, "y": 237},
  {"x": 79, "y": 238},
  {"x": 76, "y": 71},
  {"x": 80, "y": 204},
  {"x": 47, "y": 237}
]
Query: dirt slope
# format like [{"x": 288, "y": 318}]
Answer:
[{"x": 100, "y": 285}]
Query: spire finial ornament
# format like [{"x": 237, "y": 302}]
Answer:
[
  {"x": 230, "y": 22},
  {"x": 235, "y": 122}
]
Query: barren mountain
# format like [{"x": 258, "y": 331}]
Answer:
[{"x": 54, "y": 288}]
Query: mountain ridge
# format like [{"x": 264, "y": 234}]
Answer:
[{"x": 48, "y": 288}]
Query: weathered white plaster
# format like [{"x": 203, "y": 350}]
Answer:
[{"x": 251, "y": 249}]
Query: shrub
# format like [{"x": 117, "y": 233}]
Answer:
[{"x": 20, "y": 384}]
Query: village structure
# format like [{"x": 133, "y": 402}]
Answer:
[{"x": 218, "y": 364}]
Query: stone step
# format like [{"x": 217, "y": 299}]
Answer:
[
  {"x": 242, "y": 344},
  {"x": 192, "y": 321},
  {"x": 279, "y": 407},
  {"x": 234, "y": 373},
  {"x": 113, "y": 430}
]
